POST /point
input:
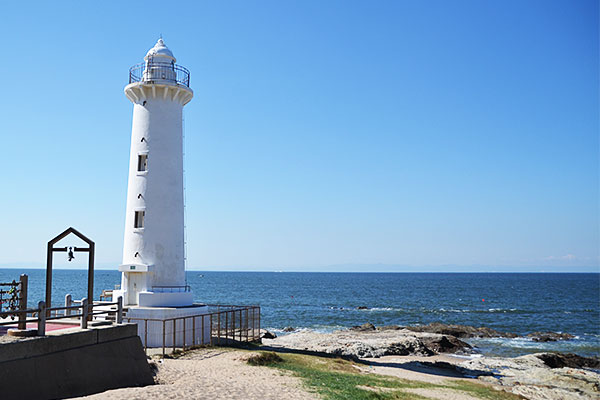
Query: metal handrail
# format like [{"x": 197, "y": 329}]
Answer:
[
  {"x": 239, "y": 324},
  {"x": 4, "y": 314},
  {"x": 159, "y": 72},
  {"x": 87, "y": 310},
  {"x": 186, "y": 288}
]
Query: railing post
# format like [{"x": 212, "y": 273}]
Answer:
[
  {"x": 240, "y": 325},
  {"x": 193, "y": 331},
  {"x": 85, "y": 312},
  {"x": 174, "y": 333},
  {"x": 226, "y": 327},
  {"x": 41, "y": 319},
  {"x": 68, "y": 303},
  {"x": 218, "y": 329},
  {"x": 233, "y": 325},
  {"x": 23, "y": 302},
  {"x": 119, "y": 310},
  {"x": 183, "y": 343}
]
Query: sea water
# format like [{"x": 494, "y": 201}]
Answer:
[{"x": 518, "y": 303}]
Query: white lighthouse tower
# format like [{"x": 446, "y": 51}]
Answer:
[{"x": 153, "y": 269}]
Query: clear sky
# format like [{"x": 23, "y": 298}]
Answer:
[{"x": 357, "y": 134}]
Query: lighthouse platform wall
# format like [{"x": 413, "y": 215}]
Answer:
[{"x": 166, "y": 324}]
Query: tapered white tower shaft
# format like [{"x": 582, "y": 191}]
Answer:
[{"x": 153, "y": 252}]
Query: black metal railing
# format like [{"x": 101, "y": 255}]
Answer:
[
  {"x": 171, "y": 289},
  {"x": 159, "y": 72},
  {"x": 221, "y": 326}
]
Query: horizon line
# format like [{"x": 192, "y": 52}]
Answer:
[{"x": 577, "y": 271}]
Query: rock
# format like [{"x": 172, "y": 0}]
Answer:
[
  {"x": 362, "y": 308},
  {"x": 549, "y": 336},
  {"x": 364, "y": 327},
  {"x": 446, "y": 344},
  {"x": 407, "y": 347},
  {"x": 366, "y": 341},
  {"x": 289, "y": 329},
  {"x": 570, "y": 360},
  {"x": 460, "y": 331},
  {"x": 22, "y": 332},
  {"x": 265, "y": 334},
  {"x": 530, "y": 377},
  {"x": 389, "y": 328}
]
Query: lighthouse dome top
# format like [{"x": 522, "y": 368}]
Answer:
[{"x": 160, "y": 50}]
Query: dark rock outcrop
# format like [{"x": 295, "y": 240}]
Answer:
[
  {"x": 368, "y": 327},
  {"x": 362, "y": 308},
  {"x": 549, "y": 336},
  {"x": 561, "y": 360},
  {"x": 407, "y": 348},
  {"x": 389, "y": 328},
  {"x": 445, "y": 344},
  {"x": 289, "y": 329},
  {"x": 265, "y": 334},
  {"x": 460, "y": 331}
]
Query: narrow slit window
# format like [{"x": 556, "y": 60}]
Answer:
[
  {"x": 139, "y": 219},
  {"x": 142, "y": 162}
]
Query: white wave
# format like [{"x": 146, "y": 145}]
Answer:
[{"x": 467, "y": 356}]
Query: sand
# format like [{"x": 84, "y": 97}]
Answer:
[
  {"x": 410, "y": 368},
  {"x": 214, "y": 374},
  {"x": 224, "y": 374}
]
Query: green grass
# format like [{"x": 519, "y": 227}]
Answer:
[{"x": 337, "y": 379}]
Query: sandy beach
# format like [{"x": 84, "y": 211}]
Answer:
[
  {"x": 213, "y": 374},
  {"x": 219, "y": 373},
  {"x": 224, "y": 374}
]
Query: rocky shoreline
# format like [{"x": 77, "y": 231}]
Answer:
[{"x": 534, "y": 376}]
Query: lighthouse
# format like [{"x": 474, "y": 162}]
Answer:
[{"x": 153, "y": 268}]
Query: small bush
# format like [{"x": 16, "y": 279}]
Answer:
[{"x": 266, "y": 358}]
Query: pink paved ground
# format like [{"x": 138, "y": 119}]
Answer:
[{"x": 33, "y": 325}]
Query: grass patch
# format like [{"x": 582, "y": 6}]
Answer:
[
  {"x": 337, "y": 379},
  {"x": 179, "y": 352},
  {"x": 265, "y": 358}
]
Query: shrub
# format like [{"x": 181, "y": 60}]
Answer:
[{"x": 265, "y": 358}]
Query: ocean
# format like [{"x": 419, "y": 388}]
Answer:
[{"x": 519, "y": 303}]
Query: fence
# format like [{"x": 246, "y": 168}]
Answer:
[
  {"x": 15, "y": 299},
  {"x": 220, "y": 325},
  {"x": 42, "y": 314},
  {"x": 217, "y": 324}
]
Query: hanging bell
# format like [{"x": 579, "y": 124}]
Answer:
[{"x": 70, "y": 254}]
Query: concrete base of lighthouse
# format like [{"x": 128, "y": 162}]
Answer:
[
  {"x": 158, "y": 299},
  {"x": 171, "y": 326}
]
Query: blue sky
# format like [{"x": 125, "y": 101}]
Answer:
[{"x": 354, "y": 134}]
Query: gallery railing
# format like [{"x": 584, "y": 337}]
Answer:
[{"x": 159, "y": 72}]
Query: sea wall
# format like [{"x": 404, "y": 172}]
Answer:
[{"x": 74, "y": 363}]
